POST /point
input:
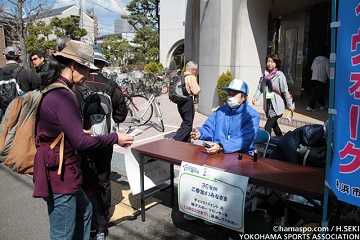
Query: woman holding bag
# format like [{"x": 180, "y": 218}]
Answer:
[{"x": 274, "y": 88}]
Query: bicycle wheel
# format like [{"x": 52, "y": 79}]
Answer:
[
  {"x": 141, "y": 110},
  {"x": 159, "y": 115}
]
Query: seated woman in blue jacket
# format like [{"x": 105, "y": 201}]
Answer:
[{"x": 234, "y": 126}]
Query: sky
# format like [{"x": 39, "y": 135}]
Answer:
[{"x": 106, "y": 10}]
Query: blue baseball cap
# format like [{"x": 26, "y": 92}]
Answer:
[
  {"x": 237, "y": 85},
  {"x": 99, "y": 53}
]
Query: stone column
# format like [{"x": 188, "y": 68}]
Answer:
[{"x": 227, "y": 35}]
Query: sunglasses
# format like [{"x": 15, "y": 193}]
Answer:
[{"x": 34, "y": 59}]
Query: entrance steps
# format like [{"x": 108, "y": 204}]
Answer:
[{"x": 300, "y": 118}]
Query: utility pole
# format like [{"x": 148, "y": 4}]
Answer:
[{"x": 80, "y": 16}]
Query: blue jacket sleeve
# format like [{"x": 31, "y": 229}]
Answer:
[{"x": 208, "y": 128}]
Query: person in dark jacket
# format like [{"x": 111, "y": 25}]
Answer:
[
  {"x": 38, "y": 60},
  {"x": 26, "y": 78},
  {"x": 97, "y": 167},
  {"x": 69, "y": 208}
]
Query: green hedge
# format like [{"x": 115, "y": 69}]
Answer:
[{"x": 224, "y": 81}]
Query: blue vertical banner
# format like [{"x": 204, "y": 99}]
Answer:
[{"x": 344, "y": 173}]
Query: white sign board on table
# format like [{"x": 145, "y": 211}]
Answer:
[
  {"x": 156, "y": 171},
  {"x": 213, "y": 195}
]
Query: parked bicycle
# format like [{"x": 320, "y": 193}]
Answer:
[
  {"x": 163, "y": 84},
  {"x": 141, "y": 108},
  {"x": 159, "y": 82},
  {"x": 133, "y": 87}
]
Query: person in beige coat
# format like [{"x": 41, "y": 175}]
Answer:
[{"x": 187, "y": 109}]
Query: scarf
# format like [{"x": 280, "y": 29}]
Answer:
[{"x": 269, "y": 75}]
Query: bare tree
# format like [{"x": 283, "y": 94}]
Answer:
[{"x": 17, "y": 16}]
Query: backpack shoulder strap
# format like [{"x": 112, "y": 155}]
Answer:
[
  {"x": 183, "y": 76},
  {"x": 45, "y": 91},
  {"x": 83, "y": 89},
  {"x": 183, "y": 79},
  {"x": 183, "y": 85},
  {"x": 60, "y": 138},
  {"x": 13, "y": 72},
  {"x": 54, "y": 86},
  {"x": 16, "y": 71},
  {"x": 110, "y": 88}
]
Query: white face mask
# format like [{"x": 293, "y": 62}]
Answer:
[{"x": 233, "y": 102}]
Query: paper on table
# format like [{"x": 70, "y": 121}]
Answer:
[{"x": 289, "y": 116}]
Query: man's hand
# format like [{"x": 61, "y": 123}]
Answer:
[
  {"x": 253, "y": 101},
  {"x": 125, "y": 140},
  {"x": 195, "y": 134},
  {"x": 87, "y": 132},
  {"x": 214, "y": 148}
]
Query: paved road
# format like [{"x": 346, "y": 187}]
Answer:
[{"x": 23, "y": 217}]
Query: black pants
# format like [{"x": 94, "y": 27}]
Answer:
[
  {"x": 187, "y": 113},
  {"x": 96, "y": 169},
  {"x": 271, "y": 123},
  {"x": 317, "y": 94}
]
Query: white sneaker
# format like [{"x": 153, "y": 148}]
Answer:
[
  {"x": 100, "y": 236},
  {"x": 309, "y": 109}
]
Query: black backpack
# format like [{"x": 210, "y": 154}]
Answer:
[
  {"x": 177, "y": 90},
  {"x": 9, "y": 86},
  {"x": 312, "y": 156},
  {"x": 97, "y": 110}
]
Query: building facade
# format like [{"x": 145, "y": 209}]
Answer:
[
  {"x": 172, "y": 31},
  {"x": 87, "y": 22},
  {"x": 122, "y": 26}
]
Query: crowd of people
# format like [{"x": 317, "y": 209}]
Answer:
[{"x": 78, "y": 200}]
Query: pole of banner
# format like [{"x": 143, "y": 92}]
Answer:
[{"x": 331, "y": 111}]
